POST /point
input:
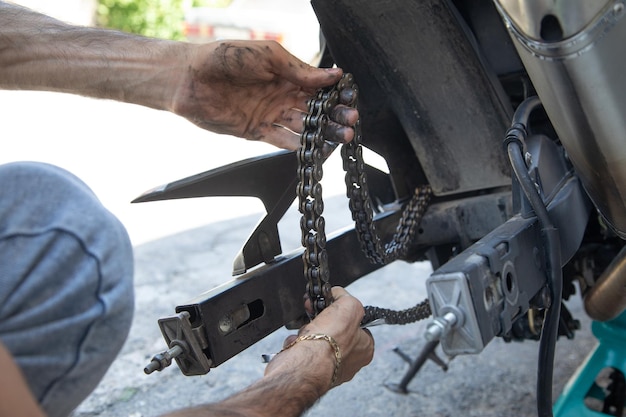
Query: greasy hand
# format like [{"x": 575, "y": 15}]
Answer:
[
  {"x": 256, "y": 90},
  {"x": 341, "y": 320}
]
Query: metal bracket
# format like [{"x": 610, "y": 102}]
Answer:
[
  {"x": 187, "y": 345},
  {"x": 270, "y": 178},
  {"x": 497, "y": 279},
  {"x": 239, "y": 313}
]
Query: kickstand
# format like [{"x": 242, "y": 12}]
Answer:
[{"x": 428, "y": 352}]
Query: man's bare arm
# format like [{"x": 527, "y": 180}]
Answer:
[
  {"x": 38, "y": 52},
  {"x": 15, "y": 397},
  {"x": 255, "y": 90},
  {"x": 287, "y": 392}
]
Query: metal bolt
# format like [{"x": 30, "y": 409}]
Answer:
[
  {"x": 440, "y": 326},
  {"x": 162, "y": 360}
]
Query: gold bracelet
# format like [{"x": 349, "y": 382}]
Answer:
[{"x": 333, "y": 344}]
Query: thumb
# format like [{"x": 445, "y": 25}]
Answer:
[{"x": 310, "y": 77}]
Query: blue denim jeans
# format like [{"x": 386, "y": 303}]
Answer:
[{"x": 66, "y": 290}]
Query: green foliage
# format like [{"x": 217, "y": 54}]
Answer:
[
  {"x": 211, "y": 3},
  {"x": 155, "y": 18}
]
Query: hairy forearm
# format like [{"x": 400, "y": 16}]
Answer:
[
  {"x": 41, "y": 53},
  {"x": 285, "y": 396},
  {"x": 295, "y": 379}
]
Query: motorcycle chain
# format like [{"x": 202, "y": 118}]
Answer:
[{"x": 311, "y": 155}]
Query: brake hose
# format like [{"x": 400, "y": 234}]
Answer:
[{"x": 515, "y": 137}]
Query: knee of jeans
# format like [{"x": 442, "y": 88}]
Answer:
[
  {"x": 37, "y": 197},
  {"x": 38, "y": 200}
]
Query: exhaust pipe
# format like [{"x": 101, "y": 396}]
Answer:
[
  {"x": 607, "y": 298},
  {"x": 573, "y": 52}
]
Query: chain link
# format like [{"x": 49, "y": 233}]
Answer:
[{"x": 311, "y": 205}]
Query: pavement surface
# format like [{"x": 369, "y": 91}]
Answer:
[{"x": 498, "y": 382}]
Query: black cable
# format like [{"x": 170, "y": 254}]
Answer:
[
  {"x": 547, "y": 344},
  {"x": 523, "y": 111}
]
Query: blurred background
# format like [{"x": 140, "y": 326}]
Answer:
[
  {"x": 290, "y": 22},
  {"x": 121, "y": 150}
]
